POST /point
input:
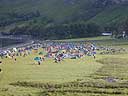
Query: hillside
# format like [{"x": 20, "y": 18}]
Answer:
[
  {"x": 61, "y": 10},
  {"x": 15, "y": 13}
]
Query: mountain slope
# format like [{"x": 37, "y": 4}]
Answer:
[
  {"x": 111, "y": 15},
  {"x": 56, "y": 9},
  {"x": 100, "y": 11}
]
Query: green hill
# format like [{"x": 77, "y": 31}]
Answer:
[
  {"x": 46, "y": 12},
  {"x": 59, "y": 10},
  {"x": 62, "y": 10}
]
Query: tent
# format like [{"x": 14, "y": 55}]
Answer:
[
  {"x": 62, "y": 51},
  {"x": 14, "y": 49},
  {"x": 42, "y": 53},
  {"x": 37, "y": 58},
  {"x": 35, "y": 50}
]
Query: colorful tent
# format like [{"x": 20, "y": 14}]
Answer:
[
  {"x": 42, "y": 53},
  {"x": 37, "y": 58},
  {"x": 35, "y": 50}
]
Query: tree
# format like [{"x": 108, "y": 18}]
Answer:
[{"x": 93, "y": 29}]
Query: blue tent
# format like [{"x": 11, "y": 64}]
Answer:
[{"x": 37, "y": 58}]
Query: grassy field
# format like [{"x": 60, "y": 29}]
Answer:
[{"x": 107, "y": 75}]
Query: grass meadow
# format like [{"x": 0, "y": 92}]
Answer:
[{"x": 107, "y": 75}]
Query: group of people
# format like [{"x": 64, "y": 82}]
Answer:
[
  {"x": 106, "y": 50},
  {"x": 15, "y": 52},
  {"x": 57, "y": 51}
]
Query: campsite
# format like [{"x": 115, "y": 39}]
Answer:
[
  {"x": 106, "y": 75},
  {"x": 63, "y": 47}
]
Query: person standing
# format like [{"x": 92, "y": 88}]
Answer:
[
  {"x": 39, "y": 62},
  {"x": 0, "y": 68},
  {"x": 15, "y": 59},
  {"x": 124, "y": 34}
]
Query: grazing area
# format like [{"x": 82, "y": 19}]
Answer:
[{"x": 106, "y": 75}]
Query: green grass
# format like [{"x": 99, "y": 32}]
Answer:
[
  {"x": 66, "y": 71},
  {"x": 25, "y": 70},
  {"x": 79, "y": 77},
  {"x": 87, "y": 39}
]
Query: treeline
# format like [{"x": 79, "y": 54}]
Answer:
[
  {"x": 61, "y": 31},
  {"x": 45, "y": 28},
  {"x": 65, "y": 31},
  {"x": 14, "y": 17},
  {"x": 118, "y": 28}
]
